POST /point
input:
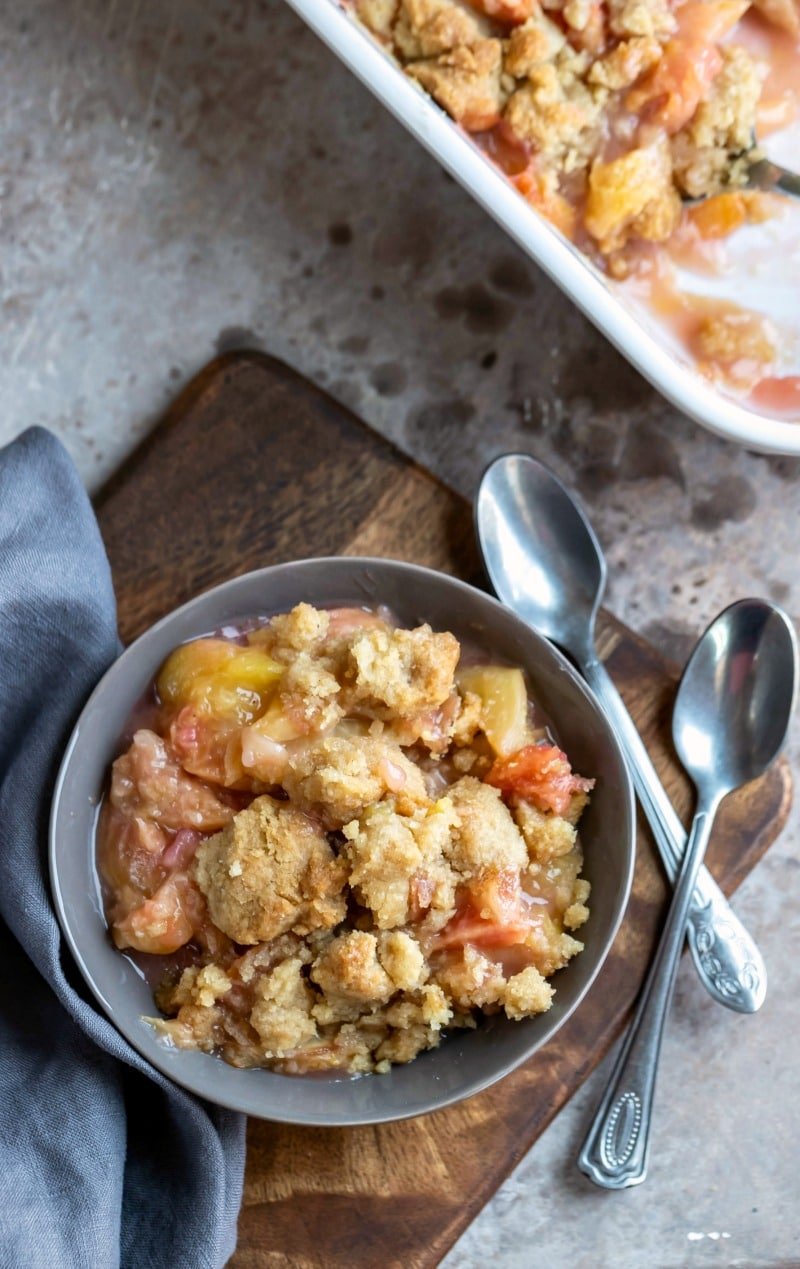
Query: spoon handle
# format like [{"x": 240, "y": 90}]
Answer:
[
  {"x": 728, "y": 961},
  {"x": 617, "y": 1145}
]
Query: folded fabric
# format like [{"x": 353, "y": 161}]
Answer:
[{"x": 103, "y": 1161}]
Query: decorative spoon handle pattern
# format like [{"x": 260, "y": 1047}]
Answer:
[{"x": 617, "y": 1145}]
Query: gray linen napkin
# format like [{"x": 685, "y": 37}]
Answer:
[{"x": 103, "y": 1161}]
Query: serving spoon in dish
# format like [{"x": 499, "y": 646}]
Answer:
[
  {"x": 760, "y": 174},
  {"x": 729, "y": 724},
  {"x": 546, "y": 564},
  {"x": 771, "y": 178}
]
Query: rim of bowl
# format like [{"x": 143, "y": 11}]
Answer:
[{"x": 245, "y": 1102}]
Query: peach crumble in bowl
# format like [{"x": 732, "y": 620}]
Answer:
[{"x": 341, "y": 841}]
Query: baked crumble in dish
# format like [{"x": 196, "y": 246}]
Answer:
[
  {"x": 609, "y": 116},
  {"x": 330, "y": 840}
]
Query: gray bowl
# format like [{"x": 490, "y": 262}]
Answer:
[{"x": 466, "y": 1061}]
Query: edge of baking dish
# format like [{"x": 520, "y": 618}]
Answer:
[{"x": 562, "y": 262}]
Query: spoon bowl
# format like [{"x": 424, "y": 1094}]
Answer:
[
  {"x": 542, "y": 556},
  {"x": 736, "y": 697}
]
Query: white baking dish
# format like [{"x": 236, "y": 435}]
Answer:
[{"x": 636, "y": 335}]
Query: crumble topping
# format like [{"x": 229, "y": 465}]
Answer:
[
  {"x": 618, "y": 107},
  {"x": 339, "y": 843}
]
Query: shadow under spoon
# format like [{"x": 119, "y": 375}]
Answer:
[
  {"x": 730, "y": 720},
  {"x": 545, "y": 563}
]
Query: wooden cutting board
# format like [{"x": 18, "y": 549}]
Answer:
[{"x": 251, "y": 466}]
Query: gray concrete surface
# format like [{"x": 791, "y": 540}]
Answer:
[{"x": 186, "y": 176}]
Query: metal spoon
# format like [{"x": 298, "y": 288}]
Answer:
[
  {"x": 546, "y": 564},
  {"x": 761, "y": 174},
  {"x": 729, "y": 723},
  {"x": 770, "y": 177}
]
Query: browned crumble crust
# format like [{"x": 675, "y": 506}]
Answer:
[
  {"x": 571, "y": 80},
  {"x": 369, "y": 890}
]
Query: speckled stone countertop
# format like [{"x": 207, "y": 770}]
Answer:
[{"x": 184, "y": 177}]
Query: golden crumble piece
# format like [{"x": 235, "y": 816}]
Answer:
[
  {"x": 577, "y": 913},
  {"x": 581, "y": 890},
  {"x": 435, "y": 1007},
  {"x": 471, "y": 980},
  {"x": 383, "y": 856},
  {"x": 338, "y": 777},
  {"x": 172, "y": 996},
  {"x": 572, "y": 64},
  {"x": 417, "y": 1022},
  {"x": 632, "y": 196},
  {"x": 401, "y": 956},
  {"x": 309, "y": 691},
  {"x": 623, "y": 65},
  {"x": 352, "y": 1048},
  {"x": 433, "y": 887},
  {"x": 195, "y": 1027},
  {"x": 428, "y": 1006},
  {"x": 466, "y": 760},
  {"x": 378, "y": 15},
  {"x": 526, "y": 994},
  {"x": 426, "y": 28},
  {"x": 484, "y": 835},
  {"x": 466, "y": 83},
  {"x": 333, "y": 1010},
  {"x": 658, "y": 220},
  {"x": 349, "y": 967},
  {"x": 431, "y": 727},
  {"x": 281, "y": 1014},
  {"x": 567, "y": 948},
  {"x": 555, "y": 113},
  {"x": 196, "y": 986},
  {"x": 211, "y": 985},
  {"x": 393, "y": 858},
  {"x": 641, "y": 17},
  {"x": 546, "y": 835},
  {"x": 577, "y": 13},
  {"x": 432, "y": 830},
  {"x": 736, "y": 343},
  {"x": 561, "y": 874},
  {"x": 404, "y": 671},
  {"x": 270, "y": 871},
  {"x": 405, "y": 1045},
  {"x": 301, "y": 630},
  {"x": 722, "y": 130},
  {"x": 262, "y": 957},
  {"x": 469, "y": 719},
  {"x": 733, "y": 336},
  {"x": 550, "y": 947},
  {"x": 537, "y": 40}
]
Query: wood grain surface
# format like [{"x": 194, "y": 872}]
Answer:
[{"x": 252, "y": 466}]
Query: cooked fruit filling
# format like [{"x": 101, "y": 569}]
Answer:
[
  {"x": 611, "y": 117},
  {"x": 330, "y": 840}
]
